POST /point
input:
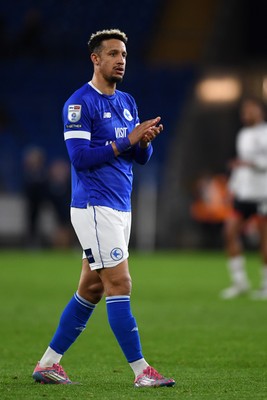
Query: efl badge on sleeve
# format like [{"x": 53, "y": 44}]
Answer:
[{"x": 74, "y": 112}]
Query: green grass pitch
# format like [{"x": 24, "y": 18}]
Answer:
[{"x": 214, "y": 349}]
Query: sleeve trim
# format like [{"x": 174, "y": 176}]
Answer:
[{"x": 77, "y": 135}]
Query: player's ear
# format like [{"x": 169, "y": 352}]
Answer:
[{"x": 95, "y": 58}]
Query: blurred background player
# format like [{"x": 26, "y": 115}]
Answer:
[
  {"x": 248, "y": 185},
  {"x": 104, "y": 137}
]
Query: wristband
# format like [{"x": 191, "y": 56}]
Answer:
[{"x": 123, "y": 144}]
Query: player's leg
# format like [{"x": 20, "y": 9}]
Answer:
[
  {"x": 72, "y": 323},
  {"x": 117, "y": 284},
  {"x": 236, "y": 260},
  {"x": 90, "y": 286},
  {"x": 77, "y": 312},
  {"x": 111, "y": 263},
  {"x": 113, "y": 235},
  {"x": 261, "y": 294}
]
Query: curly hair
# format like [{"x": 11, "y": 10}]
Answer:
[{"x": 96, "y": 39}]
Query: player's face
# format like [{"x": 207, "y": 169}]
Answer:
[
  {"x": 251, "y": 113},
  {"x": 112, "y": 60}
]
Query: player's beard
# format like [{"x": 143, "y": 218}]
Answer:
[
  {"x": 110, "y": 78},
  {"x": 115, "y": 79}
]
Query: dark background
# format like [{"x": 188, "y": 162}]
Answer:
[{"x": 172, "y": 46}]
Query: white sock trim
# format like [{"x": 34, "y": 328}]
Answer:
[
  {"x": 84, "y": 302},
  {"x": 236, "y": 267},
  {"x": 49, "y": 358},
  {"x": 236, "y": 263},
  {"x": 138, "y": 366}
]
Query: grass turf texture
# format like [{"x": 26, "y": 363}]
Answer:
[{"x": 214, "y": 349}]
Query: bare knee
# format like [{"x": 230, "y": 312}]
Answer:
[
  {"x": 122, "y": 286},
  {"x": 90, "y": 285},
  {"x": 117, "y": 281},
  {"x": 92, "y": 292}
]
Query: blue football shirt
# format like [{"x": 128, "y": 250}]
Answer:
[{"x": 94, "y": 120}]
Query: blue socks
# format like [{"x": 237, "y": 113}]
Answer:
[
  {"x": 124, "y": 326},
  {"x": 72, "y": 322},
  {"x": 76, "y": 314}
]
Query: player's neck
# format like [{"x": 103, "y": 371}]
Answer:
[{"x": 103, "y": 86}]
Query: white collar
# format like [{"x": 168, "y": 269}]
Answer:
[{"x": 93, "y": 86}]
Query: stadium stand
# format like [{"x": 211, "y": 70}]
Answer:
[
  {"x": 35, "y": 86},
  {"x": 46, "y": 58}
]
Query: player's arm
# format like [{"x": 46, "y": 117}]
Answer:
[
  {"x": 83, "y": 156},
  {"x": 78, "y": 141},
  {"x": 77, "y": 135},
  {"x": 142, "y": 154},
  {"x": 258, "y": 163},
  {"x": 139, "y": 138}
]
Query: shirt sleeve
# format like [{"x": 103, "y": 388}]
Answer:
[
  {"x": 260, "y": 163},
  {"x": 77, "y": 134},
  {"x": 142, "y": 156},
  {"x": 253, "y": 152},
  {"x": 82, "y": 156}
]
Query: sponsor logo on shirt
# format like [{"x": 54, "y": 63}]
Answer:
[
  {"x": 74, "y": 112},
  {"x": 120, "y": 132},
  {"x": 127, "y": 114},
  {"x": 73, "y": 126},
  {"x": 107, "y": 115}
]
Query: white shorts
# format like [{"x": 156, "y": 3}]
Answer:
[{"x": 103, "y": 233}]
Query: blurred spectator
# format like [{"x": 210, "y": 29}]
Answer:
[
  {"x": 35, "y": 188},
  {"x": 10, "y": 172},
  {"x": 47, "y": 187},
  {"x": 211, "y": 206},
  {"x": 212, "y": 202},
  {"x": 59, "y": 194}
]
